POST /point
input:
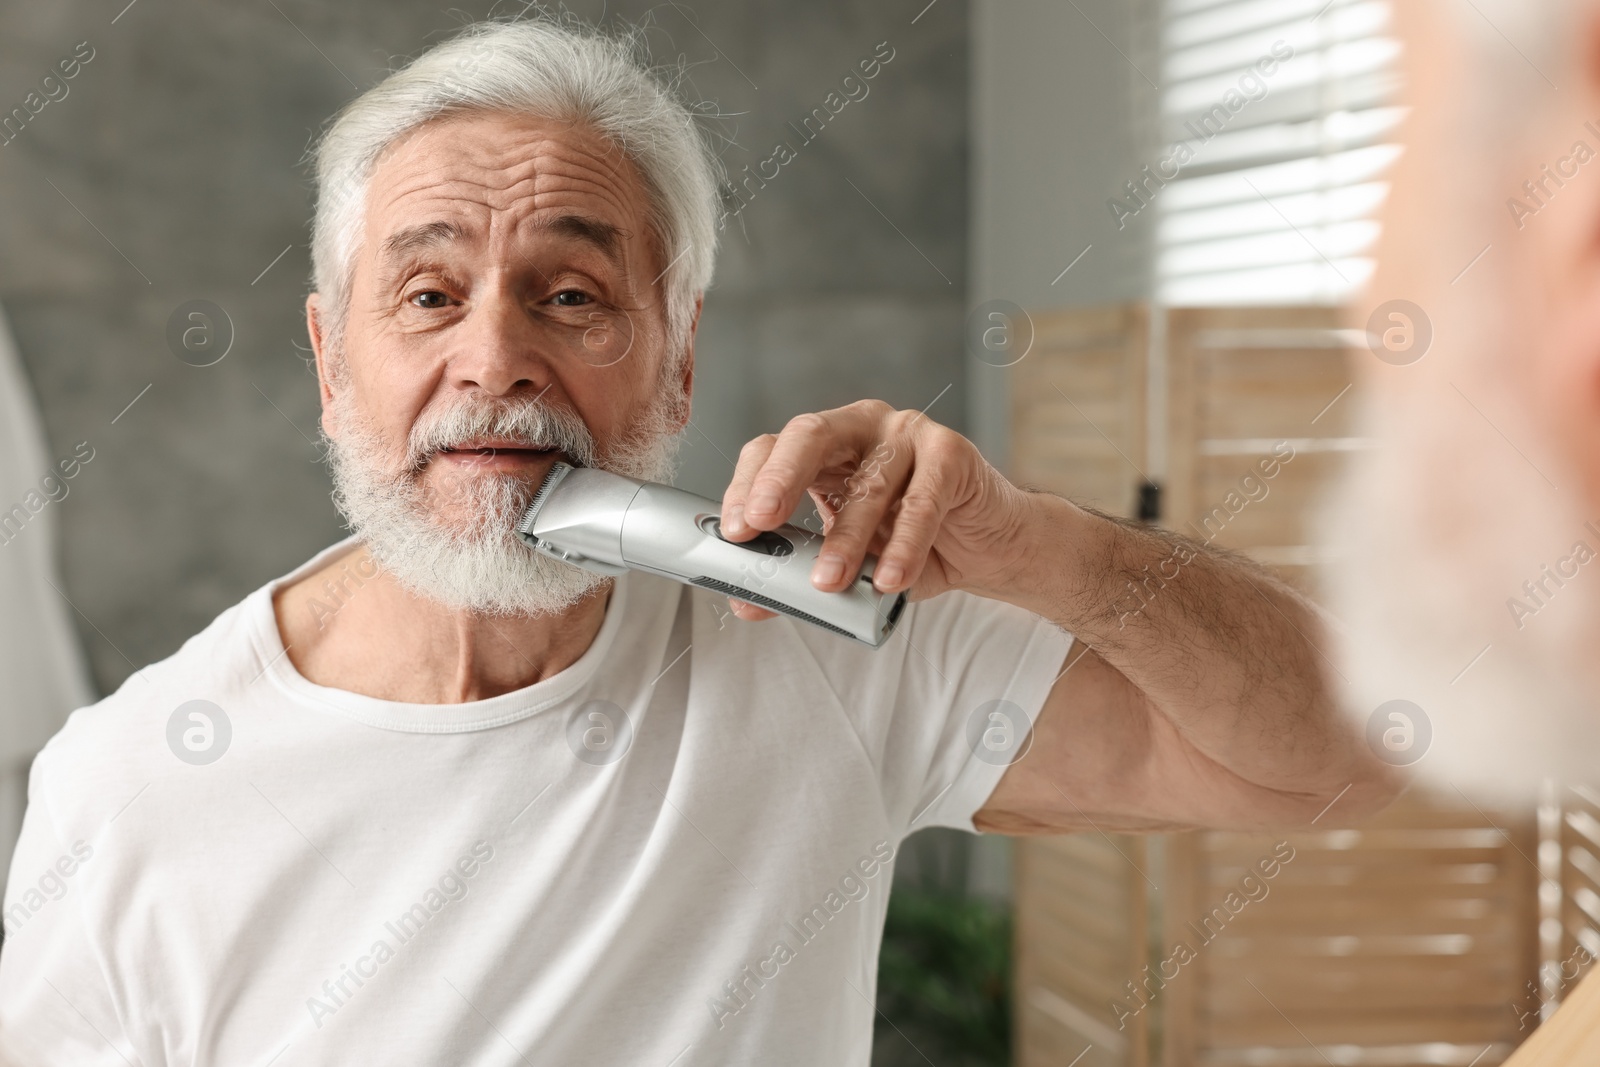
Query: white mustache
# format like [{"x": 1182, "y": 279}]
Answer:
[{"x": 532, "y": 423}]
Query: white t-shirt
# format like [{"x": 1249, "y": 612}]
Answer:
[{"x": 676, "y": 851}]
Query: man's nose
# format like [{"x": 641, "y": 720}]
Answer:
[{"x": 497, "y": 348}]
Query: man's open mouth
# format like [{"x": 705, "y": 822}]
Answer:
[{"x": 497, "y": 448}]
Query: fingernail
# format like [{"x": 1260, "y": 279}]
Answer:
[
  {"x": 828, "y": 571},
  {"x": 736, "y": 519},
  {"x": 889, "y": 575},
  {"x": 763, "y": 502}
]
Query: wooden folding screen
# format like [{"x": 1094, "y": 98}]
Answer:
[
  {"x": 1078, "y": 412},
  {"x": 1082, "y": 913},
  {"x": 1569, "y": 896},
  {"x": 1404, "y": 942},
  {"x": 1079, "y": 430},
  {"x": 1412, "y": 940},
  {"x": 1247, "y": 385}
]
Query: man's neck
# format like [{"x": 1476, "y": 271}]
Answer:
[{"x": 351, "y": 626}]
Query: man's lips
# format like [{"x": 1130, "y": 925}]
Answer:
[
  {"x": 496, "y": 453},
  {"x": 485, "y": 446}
]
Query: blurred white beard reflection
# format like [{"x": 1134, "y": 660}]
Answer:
[
  {"x": 1463, "y": 579},
  {"x": 446, "y": 532}
]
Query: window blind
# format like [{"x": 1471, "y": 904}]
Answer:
[{"x": 1277, "y": 122}]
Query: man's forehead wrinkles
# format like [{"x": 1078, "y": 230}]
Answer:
[
  {"x": 538, "y": 192},
  {"x": 503, "y": 166},
  {"x": 536, "y": 196},
  {"x": 611, "y": 185},
  {"x": 491, "y": 171}
]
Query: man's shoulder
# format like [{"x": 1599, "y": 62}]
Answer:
[{"x": 125, "y": 732}]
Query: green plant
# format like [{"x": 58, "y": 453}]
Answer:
[{"x": 944, "y": 980}]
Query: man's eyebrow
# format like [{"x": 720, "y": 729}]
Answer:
[
  {"x": 417, "y": 238},
  {"x": 604, "y": 236}
]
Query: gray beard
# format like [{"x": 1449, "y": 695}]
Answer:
[
  {"x": 1432, "y": 541},
  {"x": 450, "y": 538}
]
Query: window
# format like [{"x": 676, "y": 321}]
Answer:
[{"x": 1276, "y": 118}]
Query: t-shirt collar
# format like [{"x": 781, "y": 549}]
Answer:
[{"x": 277, "y": 670}]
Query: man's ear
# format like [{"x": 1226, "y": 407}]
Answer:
[
  {"x": 687, "y": 384},
  {"x": 319, "y": 349}
]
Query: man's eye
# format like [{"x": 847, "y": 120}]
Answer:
[
  {"x": 572, "y": 298},
  {"x": 431, "y": 298}
]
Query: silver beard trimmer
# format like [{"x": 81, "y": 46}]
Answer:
[{"x": 609, "y": 523}]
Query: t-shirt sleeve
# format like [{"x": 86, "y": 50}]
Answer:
[
  {"x": 971, "y": 676},
  {"x": 55, "y": 1005}
]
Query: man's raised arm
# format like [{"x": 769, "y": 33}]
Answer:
[{"x": 1197, "y": 698}]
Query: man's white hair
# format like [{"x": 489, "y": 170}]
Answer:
[{"x": 557, "y": 69}]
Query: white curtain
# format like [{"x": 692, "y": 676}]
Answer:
[{"x": 43, "y": 676}]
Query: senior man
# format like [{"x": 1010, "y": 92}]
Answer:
[
  {"x": 1466, "y": 544},
  {"x": 432, "y": 798}
]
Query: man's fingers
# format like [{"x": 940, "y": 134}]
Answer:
[
  {"x": 793, "y": 461},
  {"x": 798, "y": 455},
  {"x": 751, "y": 457},
  {"x": 868, "y": 495},
  {"x": 921, "y": 513}
]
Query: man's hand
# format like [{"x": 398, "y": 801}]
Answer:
[{"x": 891, "y": 483}]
